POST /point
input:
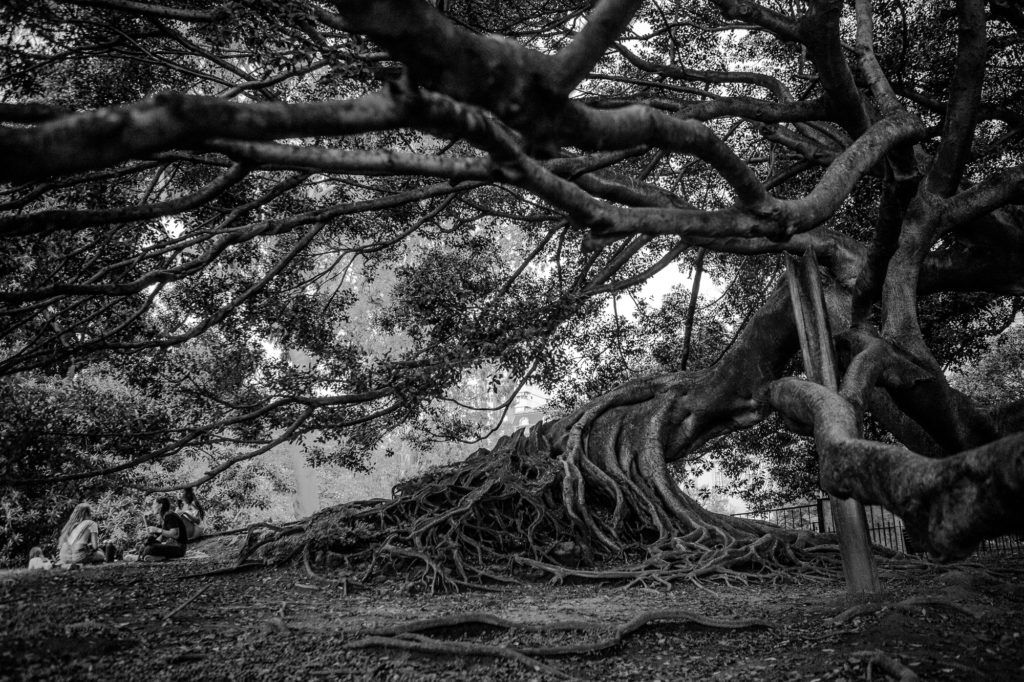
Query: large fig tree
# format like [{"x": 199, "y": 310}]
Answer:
[{"x": 398, "y": 194}]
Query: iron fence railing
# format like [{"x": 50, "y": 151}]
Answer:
[{"x": 886, "y": 529}]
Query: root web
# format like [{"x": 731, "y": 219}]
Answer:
[{"x": 543, "y": 503}]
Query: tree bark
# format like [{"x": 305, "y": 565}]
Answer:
[
  {"x": 577, "y": 495},
  {"x": 949, "y": 504}
]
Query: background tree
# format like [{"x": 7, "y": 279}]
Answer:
[
  {"x": 510, "y": 167},
  {"x": 97, "y": 419}
]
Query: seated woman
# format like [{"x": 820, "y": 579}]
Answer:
[
  {"x": 191, "y": 514},
  {"x": 79, "y": 541},
  {"x": 168, "y": 540}
]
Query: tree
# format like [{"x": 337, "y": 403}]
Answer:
[
  {"x": 509, "y": 166},
  {"x": 52, "y": 425}
]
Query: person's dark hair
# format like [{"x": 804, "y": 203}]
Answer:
[{"x": 165, "y": 505}]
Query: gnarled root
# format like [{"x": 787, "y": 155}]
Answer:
[
  {"x": 588, "y": 497},
  {"x": 406, "y": 635}
]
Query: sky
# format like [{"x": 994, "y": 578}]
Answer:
[{"x": 655, "y": 289}]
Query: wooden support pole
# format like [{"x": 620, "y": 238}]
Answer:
[{"x": 820, "y": 366}]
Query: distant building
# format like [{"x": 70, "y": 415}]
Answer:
[{"x": 526, "y": 409}]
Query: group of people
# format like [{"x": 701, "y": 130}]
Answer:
[
  {"x": 177, "y": 526},
  {"x": 168, "y": 538}
]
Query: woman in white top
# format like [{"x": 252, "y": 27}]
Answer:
[{"x": 80, "y": 540}]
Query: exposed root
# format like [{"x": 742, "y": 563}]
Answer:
[
  {"x": 855, "y": 611},
  {"x": 618, "y": 635},
  {"x": 429, "y": 645},
  {"x": 890, "y": 666},
  {"x": 239, "y": 567},
  {"x": 406, "y": 635},
  {"x": 913, "y": 602},
  {"x": 908, "y": 604},
  {"x": 566, "y": 502}
]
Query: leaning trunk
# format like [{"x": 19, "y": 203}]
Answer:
[{"x": 588, "y": 495}]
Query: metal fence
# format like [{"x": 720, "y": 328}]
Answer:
[{"x": 886, "y": 529}]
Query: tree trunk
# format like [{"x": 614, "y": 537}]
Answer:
[
  {"x": 587, "y": 496},
  {"x": 590, "y": 495}
]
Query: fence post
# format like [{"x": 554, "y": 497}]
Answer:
[
  {"x": 820, "y": 366},
  {"x": 822, "y": 527}
]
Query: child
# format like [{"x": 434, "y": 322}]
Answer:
[{"x": 36, "y": 560}]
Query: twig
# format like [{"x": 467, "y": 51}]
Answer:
[{"x": 188, "y": 601}]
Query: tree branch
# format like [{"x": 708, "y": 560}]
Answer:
[
  {"x": 1004, "y": 187},
  {"x": 888, "y": 104},
  {"x": 965, "y": 96},
  {"x": 149, "y": 9},
  {"x": 819, "y": 29},
  {"x": 605, "y": 23},
  {"x": 753, "y": 13},
  {"x": 108, "y": 136},
  {"x": 773, "y": 85},
  {"x": 51, "y": 221},
  {"x": 953, "y": 503},
  {"x": 691, "y": 308}
]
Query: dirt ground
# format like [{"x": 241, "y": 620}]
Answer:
[{"x": 123, "y": 621}]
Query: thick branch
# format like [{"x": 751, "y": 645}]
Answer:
[
  {"x": 691, "y": 309},
  {"x": 355, "y": 161},
  {"x": 753, "y": 13},
  {"x": 30, "y": 112},
  {"x": 820, "y": 32},
  {"x": 605, "y": 23},
  {"x": 951, "y": 419},
  {"x": 984, "y": 255},
  {"x": 954, "y": 502},
  {"x": 879, "y": 84},
  {"x": 638, "y": 125},
  {"x": 773, "y": 85},
  {"x": 965, "y": 97},
  {"x": 514, "y": 82},
  {"x": 1004, "y": 187},
  {"x": 109, "y": 136}
]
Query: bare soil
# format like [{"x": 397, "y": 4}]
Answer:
[{"x": 121, "y": 621}]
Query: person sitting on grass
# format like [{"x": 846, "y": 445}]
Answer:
[
  {"x": 191, "y": 513},
  {"x": 79, "y": 541},
  {"x": 168, "y": 540},
  {"x": 36, "y": 560}
]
